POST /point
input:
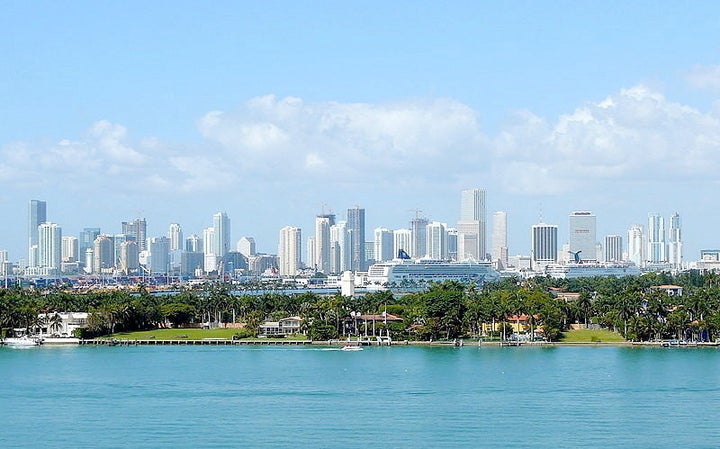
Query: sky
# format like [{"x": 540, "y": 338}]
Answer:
[{"x": 277, "y": 111}]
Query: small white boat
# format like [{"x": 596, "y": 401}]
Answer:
[
  {"x": 23, "y": 341},
  {"x": 352, "y": 346}
]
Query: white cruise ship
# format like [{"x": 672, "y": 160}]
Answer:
[
  {"x": 407, "y": 272},
  {"x": 591, "y": 269}
]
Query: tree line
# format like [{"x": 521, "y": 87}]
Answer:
[{"x": 445, "y": 310}]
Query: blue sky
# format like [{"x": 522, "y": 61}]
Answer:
[{"x": 272, "y": 111}]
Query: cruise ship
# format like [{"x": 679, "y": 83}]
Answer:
[
  {"x": 408, "y": 272},
  {"x": 591, "y": 269}
]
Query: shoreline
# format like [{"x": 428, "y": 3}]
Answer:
[{"x": 283, "y": 342}]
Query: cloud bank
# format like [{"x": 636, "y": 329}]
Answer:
[{"x": 633, "y": 135}]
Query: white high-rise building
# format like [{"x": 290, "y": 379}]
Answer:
[
  {"x": 49, "y": 248},
  {"x": 613, "y": 248},
  {"x": 159, "y": 249},
  {"x": 544, "y": 245},
  {"x": 103, "y": 254},
  {"x": 69, "y": 249},
  {"x": 675, "y": 242},
  {"x": 636, "y": 245},
  {"x": 194, "y": 244},
  {"x": 436, "y": 240},
  {"x": 418, "y": 241},
  {"x": 246, "y": 246},
  {"x": 472, "y": 225},
  {"x": 210, "y": 257},
  {"x": 582, "y": 235},
  {"x": 402, "y": 240},
  {"x": 129, "y": 257},
  {"x": 499, "y": 239},
  {"x": 321, "y": 259},
  {"x": 656, "y": 243},
  {"x": 310, "y": 255},
  {"x": 383, "y": 245},
  {"x": 339, "y": 248},
  {"x": 175, "y": 234},
  {"x": 289, "y": 251},
  {"x": 221, "y": 224}
]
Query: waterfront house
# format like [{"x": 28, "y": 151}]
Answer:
[{"x": 286, "y": 326}]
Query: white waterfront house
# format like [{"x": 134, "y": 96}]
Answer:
[{"x": 61, "y": 324}]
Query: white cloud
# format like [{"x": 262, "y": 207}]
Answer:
[
  {"x": 633, "y": 134},
  {"x": 705, "y": 77}
]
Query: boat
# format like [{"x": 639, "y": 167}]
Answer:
[
  {"x": 405, "y": 271},
  {"x": 351, "y": 348},
  {"x": 23, "y": 341}
]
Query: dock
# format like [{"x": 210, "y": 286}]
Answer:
[{"x": 203, "y": 342}]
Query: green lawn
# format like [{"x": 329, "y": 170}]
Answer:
[
  {"x": 591, "y": 336},
  {"x": 184, "y": 334}
]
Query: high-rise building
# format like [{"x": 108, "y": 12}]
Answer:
[
  {"x": 69, "y": 249},
  {"x": 310, "y": 252},
  {"x": 402, "y": 240},
  {"x": 356, "y": 229},
  {"x": 129, "y": 257},
  {"x": 321, "y": 261},
  {"x": 544, "y": 244},
  {"x": 210, "y": 258},
  {"x": 418, "y": 240},
  {"x": 499, "y": 239},
  {"x": 436, "y": 238},
  {"x": 221, "y": 224},
  {"x": 136, "y": 230},
  {"x": 289, "y": 251},
  {"x": 636, "y": 245},
  {"x": 452, "y": 236},
  {"x": 37, "y": 214},
  {"x": 246, "y": 246},
  {"x": 49, "y": 248},
  {"x": 582, "y": 235},
  {"x": 194, "y": 244},
  {"x": 103, "y": 254},
  {"x": 656, "y": 243},
  {"x": 613, "y": 248},
  {"x": 159, "y": 249},
  {"x": 339, "y": 248},
  {"x": 383, "y": 245},
  {"x": 472, "y": 239},
  {"x": 675, "y": 242},
  {"x": 175, "y": 234},
  {"x": 86, "y": 240}
]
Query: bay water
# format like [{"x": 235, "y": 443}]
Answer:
[{"x": 387, "y": 397}]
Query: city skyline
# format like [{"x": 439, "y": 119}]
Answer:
[
  {"x": 652, "y": 246},
  {"x": 275, "y": 110}
]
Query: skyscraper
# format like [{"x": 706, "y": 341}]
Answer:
[
  {"x": 194, "y": 244},
  {"x": 418, "y": 240},
  {"x": 582, "y": 235},
  {"x": 436, "y": 237},
  {"x": 402, "y": 240},
  {"x": 137, "y": 230},
  {"x": 499, "y": 239},
  {"x": 221, "y": 224},
  {"x": 356, "y": 229},
  {"x": 69, "y": 251},
  {"x": 657, "y": 246},
  {"x": 103, "y": 254},
  {"x": 49, "y": 248},
  {"x": 613, "y": 248},
  {"x": 321, "y": 261},
  {"x": 675, "y": 242},
  {"x": 37, "y": 214},
  {"x": 472, "y": 240},
  {"x": 636, "y": 245},
  {"x": 159, "y": 248},
  {"x": 383, "y": 245},
  {"x": 339, "y": 248},
  {"x": 86, "y": 240},
  {"x": 289, "y": 251},
  {"x": 544, "y": 244},
  {"x": 246, "y": 246},
  {"x": 129, "y": 257},
  {"x": 175, "y": 234}
]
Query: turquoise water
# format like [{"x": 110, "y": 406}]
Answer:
[{"x": 222, "y": 397}]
